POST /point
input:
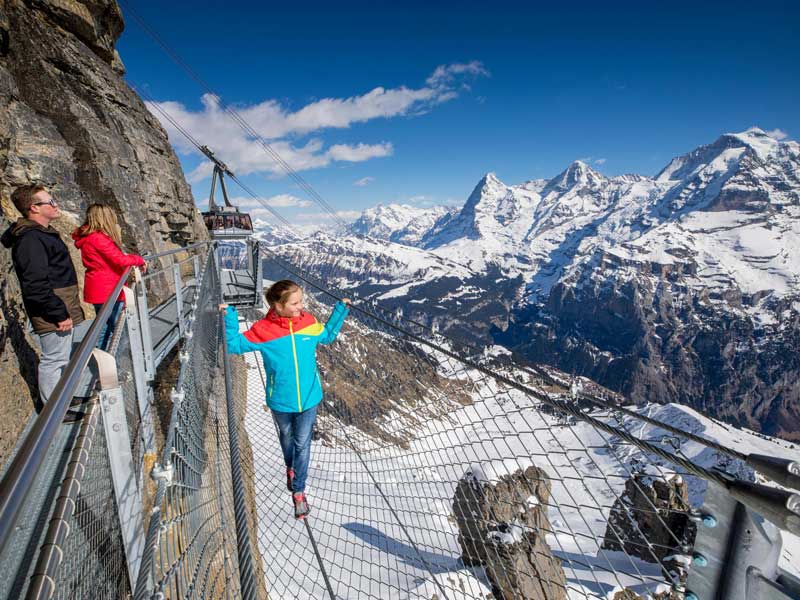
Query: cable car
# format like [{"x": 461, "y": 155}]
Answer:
[
  {"x": 225, "y": 222},
  {"x": 237, "y": 250}
]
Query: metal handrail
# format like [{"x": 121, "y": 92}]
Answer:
[
  {"x": 155, "y": 273},
  {"x": 25, "y": 465}
]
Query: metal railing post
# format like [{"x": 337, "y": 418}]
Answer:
[
  {"x": 144, "y": 324},
  {"x": 176, "y": 272},
  {"x": 144, "y": 392},
  {"x": 733, "y": 542},
  {"x": 123, "y": 474}
]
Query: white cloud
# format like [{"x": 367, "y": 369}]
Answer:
[
  {"x": 286, "y": 200},
  {"x": 346, "y": 215},
  {"x": 444, "y": 75},
  {"x": 363, "y": 181},
  {"x": 359, "y": 152},
  {"x": 244, "y": 152},
  {"x": 777, "y": 134},
  {"x": 600, "y": 161}
]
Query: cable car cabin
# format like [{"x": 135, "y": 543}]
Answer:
[{"x": 226, "y": 223}]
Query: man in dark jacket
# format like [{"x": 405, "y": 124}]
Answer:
[{"x": 47, "y": 278}]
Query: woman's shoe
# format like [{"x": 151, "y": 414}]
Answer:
[
  {"x": 289, "y": 479},
  {"x": 301, "y": 508}
]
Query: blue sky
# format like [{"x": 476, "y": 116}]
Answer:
[{"x": 413, "y": 102}]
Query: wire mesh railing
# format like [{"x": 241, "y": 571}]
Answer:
[
  {"x": 93, "y": 562},
  {"x": 191, "y": 546},
  {"x": 68, "y": 540}
]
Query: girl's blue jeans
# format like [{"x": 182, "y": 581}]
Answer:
[
  {"x": 294, "y": 432},
  {"x": 108, "y": 327}
]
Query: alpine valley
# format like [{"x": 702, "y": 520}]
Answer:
[{"x": 683, "y": 287}]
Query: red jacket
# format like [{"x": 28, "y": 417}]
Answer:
[{"x": 104, "y": 263}]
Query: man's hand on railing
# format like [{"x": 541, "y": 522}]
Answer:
[
  {"x": 346, "y": 302},
  {"x": 223, "y": 307}
]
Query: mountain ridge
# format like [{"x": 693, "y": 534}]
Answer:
[{"x": 662, "y": 288}]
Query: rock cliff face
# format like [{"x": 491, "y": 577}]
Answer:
[{"x": 69, "y": 121}]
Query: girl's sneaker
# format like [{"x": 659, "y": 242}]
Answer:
[
  {"x": 301, "y": 508},
  {"x": 289, "y": 479}
]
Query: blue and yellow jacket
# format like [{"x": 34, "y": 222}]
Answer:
[{"x": 289, "y": 350}]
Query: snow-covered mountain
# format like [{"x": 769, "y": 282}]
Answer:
[
  {"x": 399, "y": 223},
  {"x": 680, "y": 287}
]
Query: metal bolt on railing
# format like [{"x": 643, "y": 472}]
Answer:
[
  {"x": 162, "y": 473},
  {"x": 177, "y": 396},
  {"x": 699, "y": 560},
  {"x": 709, "y": 520}
]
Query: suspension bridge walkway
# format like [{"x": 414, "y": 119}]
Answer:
[{"x": 438, "y": 471}]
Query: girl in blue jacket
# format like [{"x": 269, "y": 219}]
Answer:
[{"x": 287, "y": 338}]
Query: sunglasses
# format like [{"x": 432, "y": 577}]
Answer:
[{"x": 52, "y": 202}]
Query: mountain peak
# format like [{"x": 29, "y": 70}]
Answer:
[
  {"x": 487, "y": 187},
  {"x": 756, "y": 140},
  {"x": 578, "y": 173},
  {"x": 761, "y": 142},
  {"x": 490, "y": 178},
  {"x": 400, "y": 223}
]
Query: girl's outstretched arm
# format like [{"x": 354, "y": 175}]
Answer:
[
  {"x": 237, "y": 343},
  {"x": 334, "y": 323}
]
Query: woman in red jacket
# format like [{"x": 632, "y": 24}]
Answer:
[{"x": 100, "y": 243}]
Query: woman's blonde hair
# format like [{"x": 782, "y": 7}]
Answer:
[
  {"x": 278, "y": 292},
  {"x": 100, "y": 217}
]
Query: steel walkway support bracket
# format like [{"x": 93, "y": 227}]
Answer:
[
  {"x": 736, "y": 553},
  {"x": 144, "y": 324},
  {"x": 144, "y": 392},
  {"x": 176, "y": 272},
  {"x": 118, "y": 442}
]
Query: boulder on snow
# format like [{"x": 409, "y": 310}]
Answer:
[
  {"x": 649, "y": 520},
  {"x": 502, "y": 526}
]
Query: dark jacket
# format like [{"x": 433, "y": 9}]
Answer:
[{"x": 46, "y": 275}]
